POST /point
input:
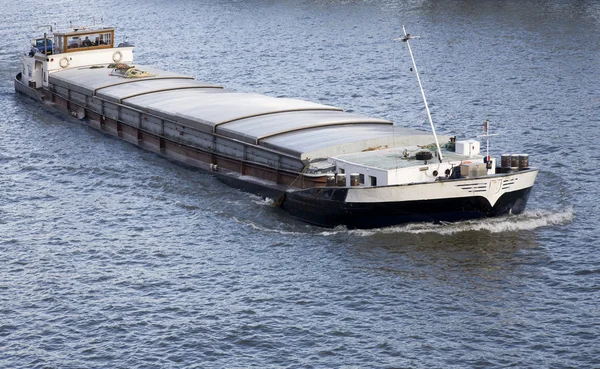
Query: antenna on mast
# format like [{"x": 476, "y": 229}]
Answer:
[{"x": 406, "y": 38}]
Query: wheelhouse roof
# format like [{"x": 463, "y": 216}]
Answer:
[{"x": 82, "y": 31}]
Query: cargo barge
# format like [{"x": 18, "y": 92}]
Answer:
[{"x": 319, "y": 163}]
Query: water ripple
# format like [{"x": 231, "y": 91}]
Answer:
[{"x": 115, "y": 257}]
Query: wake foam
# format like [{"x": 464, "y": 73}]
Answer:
[
  {"x": 263, "y": 228},
  {"x": 527, "y": 221}
]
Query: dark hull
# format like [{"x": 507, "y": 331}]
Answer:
[{"x": 334, "y": 212}]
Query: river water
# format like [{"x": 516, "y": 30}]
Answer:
[{"x": 113, "y": 257}]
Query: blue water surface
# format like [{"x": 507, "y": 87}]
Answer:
[{"x": 113, "y": 257}]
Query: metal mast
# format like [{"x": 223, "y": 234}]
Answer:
[
  {"x": 406, "y": 39},
  {"x": 487, "y": 135}
]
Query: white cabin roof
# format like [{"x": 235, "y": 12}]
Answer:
[{"x": 393, "y": 158}]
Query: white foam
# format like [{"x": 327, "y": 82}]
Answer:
[
  {"x": 529, "y": 220},
  {"x": 262, "y": 228}
]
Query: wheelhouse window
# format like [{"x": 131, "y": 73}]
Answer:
[
  {"x": 89, "y": 40},
  {"x": 361, "y": 179},
  {"x": 43, "y": 45},
  {"x": 82, "y": 40},
  {"x": 373, "y": 180}
]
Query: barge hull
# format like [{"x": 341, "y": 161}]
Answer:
[
  {"x": 268, "y": 182},
  {"x": 331, "y": 213}
]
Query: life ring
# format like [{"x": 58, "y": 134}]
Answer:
[
  {"x": 117, "y": 56},
  {"x": 64, "y": 62}
]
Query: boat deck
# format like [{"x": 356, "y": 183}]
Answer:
[
  {"x": 296, "y": 127},
  {"x": 394, "y": 158}
]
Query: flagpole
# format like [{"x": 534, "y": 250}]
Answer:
[{"x": 486, "y": 126}]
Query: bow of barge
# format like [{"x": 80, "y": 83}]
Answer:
[{"x": 321, "y": 164}]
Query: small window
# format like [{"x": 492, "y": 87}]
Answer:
[
  {"x": 361, "y": 179},
  {"x": 73, "y": 42},
  {"x": 106, "y": 38},
  {"x": 373, "y": 180},
  {"x": 342, "y": 171}
]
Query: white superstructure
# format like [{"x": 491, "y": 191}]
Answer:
[{"x": 70, "y": 49}]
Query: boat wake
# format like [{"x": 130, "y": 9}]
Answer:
[
  {"x": 282, "y": 229},
  {"x": 529, "y": 220}
]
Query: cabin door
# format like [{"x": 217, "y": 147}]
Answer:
[{"x": 38, "y": 71}]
